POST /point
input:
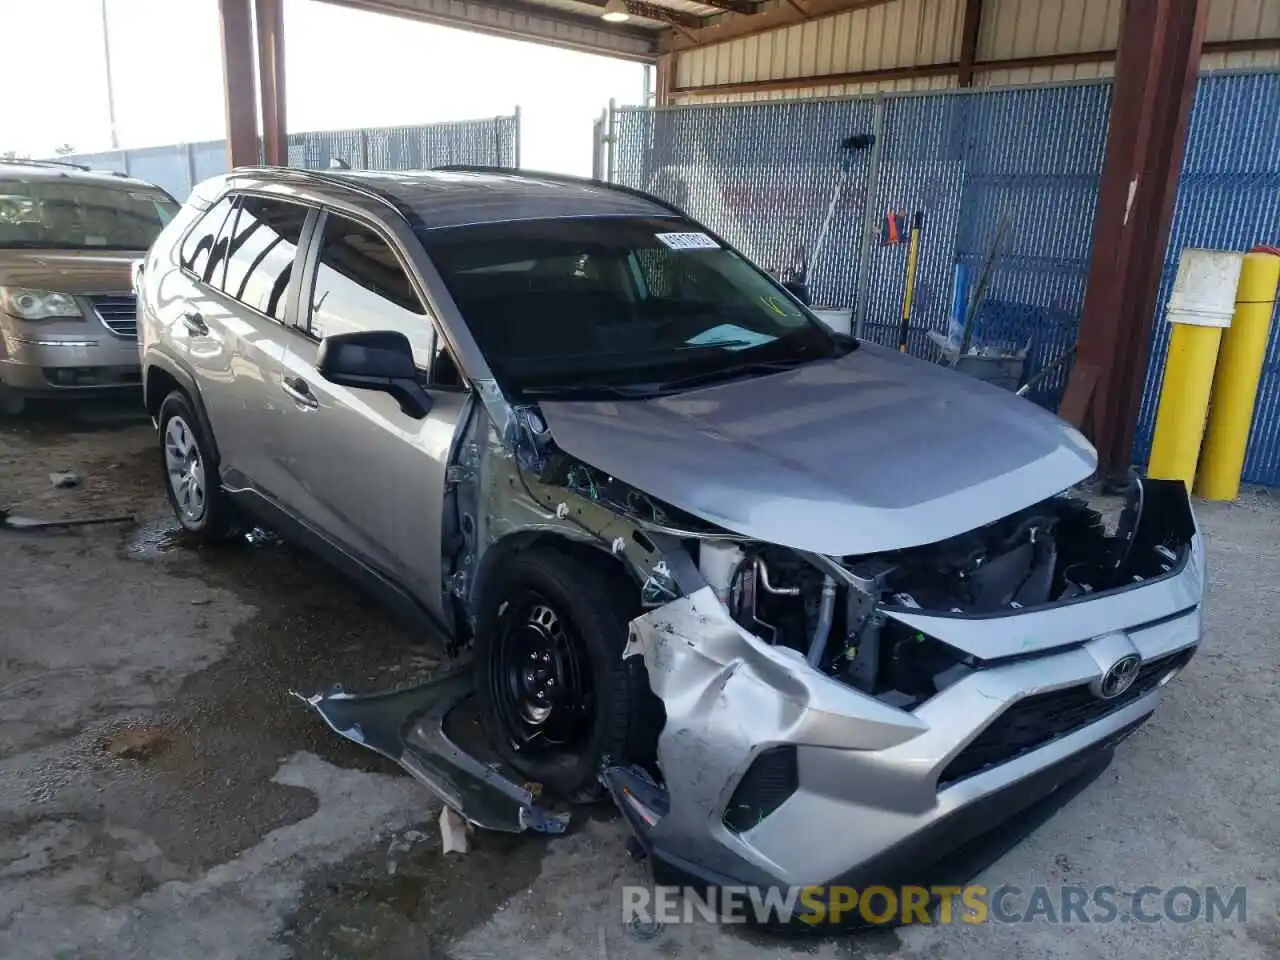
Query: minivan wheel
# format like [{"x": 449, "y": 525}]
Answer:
[
  {"x": 555, "y": 696},
  {"x": 11, "y": 404},
  {"x": 191, "y": 473}
]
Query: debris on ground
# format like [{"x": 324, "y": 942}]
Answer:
[
  {"x": 137, "y": 743},
  {"x": 453, "y": 831},
  {"x": 64, "y": 479},
  {"x": 13, "y": 522}
]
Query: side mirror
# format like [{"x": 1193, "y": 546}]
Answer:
[
  {"x": 798, "y": 289},
  {"x": 375, "y": 360}
]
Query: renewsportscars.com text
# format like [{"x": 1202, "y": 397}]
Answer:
[{"x": 833, "y": 905}]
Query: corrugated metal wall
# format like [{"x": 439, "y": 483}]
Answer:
[
  {"x": 493, "y": 141},
  {"x": 904, "y": 33},
  {"x": 907, "y": 33}
]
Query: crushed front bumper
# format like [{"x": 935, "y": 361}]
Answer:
[{"x": 777, "y": 776}]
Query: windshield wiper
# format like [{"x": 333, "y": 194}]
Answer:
[
  {"x": 619, "y": 391},
  {"x": 845, "y": 345}
]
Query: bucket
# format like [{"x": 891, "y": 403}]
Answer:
[
  {"x": 1204, "y": 289},
  {"x": 839, "y": 319}
]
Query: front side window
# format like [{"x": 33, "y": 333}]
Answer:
[
  {"x": 260, "y": 252},
  {"x": 361, "y": 286},
  {"x": 65, "y": 214},
  {"x": 616, "y": 302}
]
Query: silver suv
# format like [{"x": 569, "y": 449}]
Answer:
[{"x": 812, "y": 611}]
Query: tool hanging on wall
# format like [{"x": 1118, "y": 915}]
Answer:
[
  {"x": 895, "y": 229},
  {"x": 909, "y": 294},
  {"x": 799, "y": 279}
]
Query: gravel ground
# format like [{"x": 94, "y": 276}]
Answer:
[{"x": 162, "y": 795}]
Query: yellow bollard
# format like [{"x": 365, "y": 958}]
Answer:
[
  {"x": 1200, "y": 306},
  {"x": 1235, "y": 384}
]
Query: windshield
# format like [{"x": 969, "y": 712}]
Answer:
[
  {"x": 616, "y": 302},
  {"x": 67, "y": 215}
]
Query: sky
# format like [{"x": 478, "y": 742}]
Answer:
[{"x": 343, "y": 68}]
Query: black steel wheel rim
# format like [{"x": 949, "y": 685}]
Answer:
[{"x": 539, "y": 677}]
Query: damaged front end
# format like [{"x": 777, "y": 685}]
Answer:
[
  {"x": 858, "y": 720},
  {"x": 824, "y": 719}
]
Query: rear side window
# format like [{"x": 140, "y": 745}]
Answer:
[
  {"x": 197, "y": 249},
  {"x": 361, "y": 286},
  {"x": 260, "y": 253}
]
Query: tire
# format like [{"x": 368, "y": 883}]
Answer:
[
  {"x": 191, "y": 474},
  {"x": 11, "y": 404},
  {"x": 595, "y": 604}
]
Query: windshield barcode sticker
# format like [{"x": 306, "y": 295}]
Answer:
[{"x": 687, "y": 241}]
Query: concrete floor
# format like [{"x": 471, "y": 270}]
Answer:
[{"x": 161, "y": 795}]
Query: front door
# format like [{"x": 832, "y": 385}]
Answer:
[{"x": 357, "y": 469}]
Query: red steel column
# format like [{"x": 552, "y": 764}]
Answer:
[
  {"x": 1156, "y": 69},
  {"x": 270, "y": 23},
  {"x": 238, "y": 87}
]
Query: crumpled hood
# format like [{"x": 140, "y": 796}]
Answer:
[{"x": 874, "y": 451}]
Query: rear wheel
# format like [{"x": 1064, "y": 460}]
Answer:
[
  {"x": 191, "y": 473},
  {"x": 556, "y": 697}
]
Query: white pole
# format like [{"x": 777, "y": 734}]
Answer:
[{"x": 111, "y": 99}]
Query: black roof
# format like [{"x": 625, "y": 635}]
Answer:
[{"x": 434, "y": 199}]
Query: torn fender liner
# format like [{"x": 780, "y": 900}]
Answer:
[{"x": 407, "y": 726}]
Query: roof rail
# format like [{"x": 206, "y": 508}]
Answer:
[
  {"x": 325, "y": 178},
  {"x": 561, "y": 178},
  {"x": 45, "y": 163}
]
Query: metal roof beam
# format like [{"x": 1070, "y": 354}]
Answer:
[
  {"x": 522, "y": 20},
  {"x": 779, "y": 13}
]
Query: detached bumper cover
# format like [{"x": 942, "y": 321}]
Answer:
[{"x": 408, "y": 727}]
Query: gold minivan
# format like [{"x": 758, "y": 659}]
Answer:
[{"x": 68, "y": 237}]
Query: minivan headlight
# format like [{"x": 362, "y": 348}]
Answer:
[{"x": 38, "y": 304}]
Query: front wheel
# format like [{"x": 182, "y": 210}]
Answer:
[
  {"x": 191, "y": 473},
  {"x": 556, "y": 697}
]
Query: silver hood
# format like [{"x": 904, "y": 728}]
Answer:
[{"x": 874, "y": 451}]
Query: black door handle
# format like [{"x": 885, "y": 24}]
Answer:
[
  {"x": 195, "y": 323},
  {"x": 300, "y": 391}
]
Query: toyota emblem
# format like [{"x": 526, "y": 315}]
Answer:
[{"x": 1119, "y": 677}]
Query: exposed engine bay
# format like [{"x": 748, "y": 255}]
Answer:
[{"x": 838, "y": 613}]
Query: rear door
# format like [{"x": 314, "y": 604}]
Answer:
[
  {"x": 237, "y": 313},
  {"x": 356, "y": 468}
]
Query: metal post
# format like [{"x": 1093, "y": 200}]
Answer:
[
  {"x": 237, "y": 83},
  {"x": 611, "y": 142},
  {"x": 271, "y": 91},
  {"x": 870, "y": 217},
  {"x": 364, "y": 149},
  {"x": 191, "y": 169},
  {"x": 1157, "y": 66},
  {"x": 597, "y": 147},
  {"x": 516, "y": 135},
  {"x": 111, "y": 97}
]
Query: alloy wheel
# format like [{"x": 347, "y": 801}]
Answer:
[{"x": 184, "y": 470}]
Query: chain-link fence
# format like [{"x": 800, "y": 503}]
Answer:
[
  {"x": 492, "y": 141},
  {"x": 1006, "y": 176}
]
